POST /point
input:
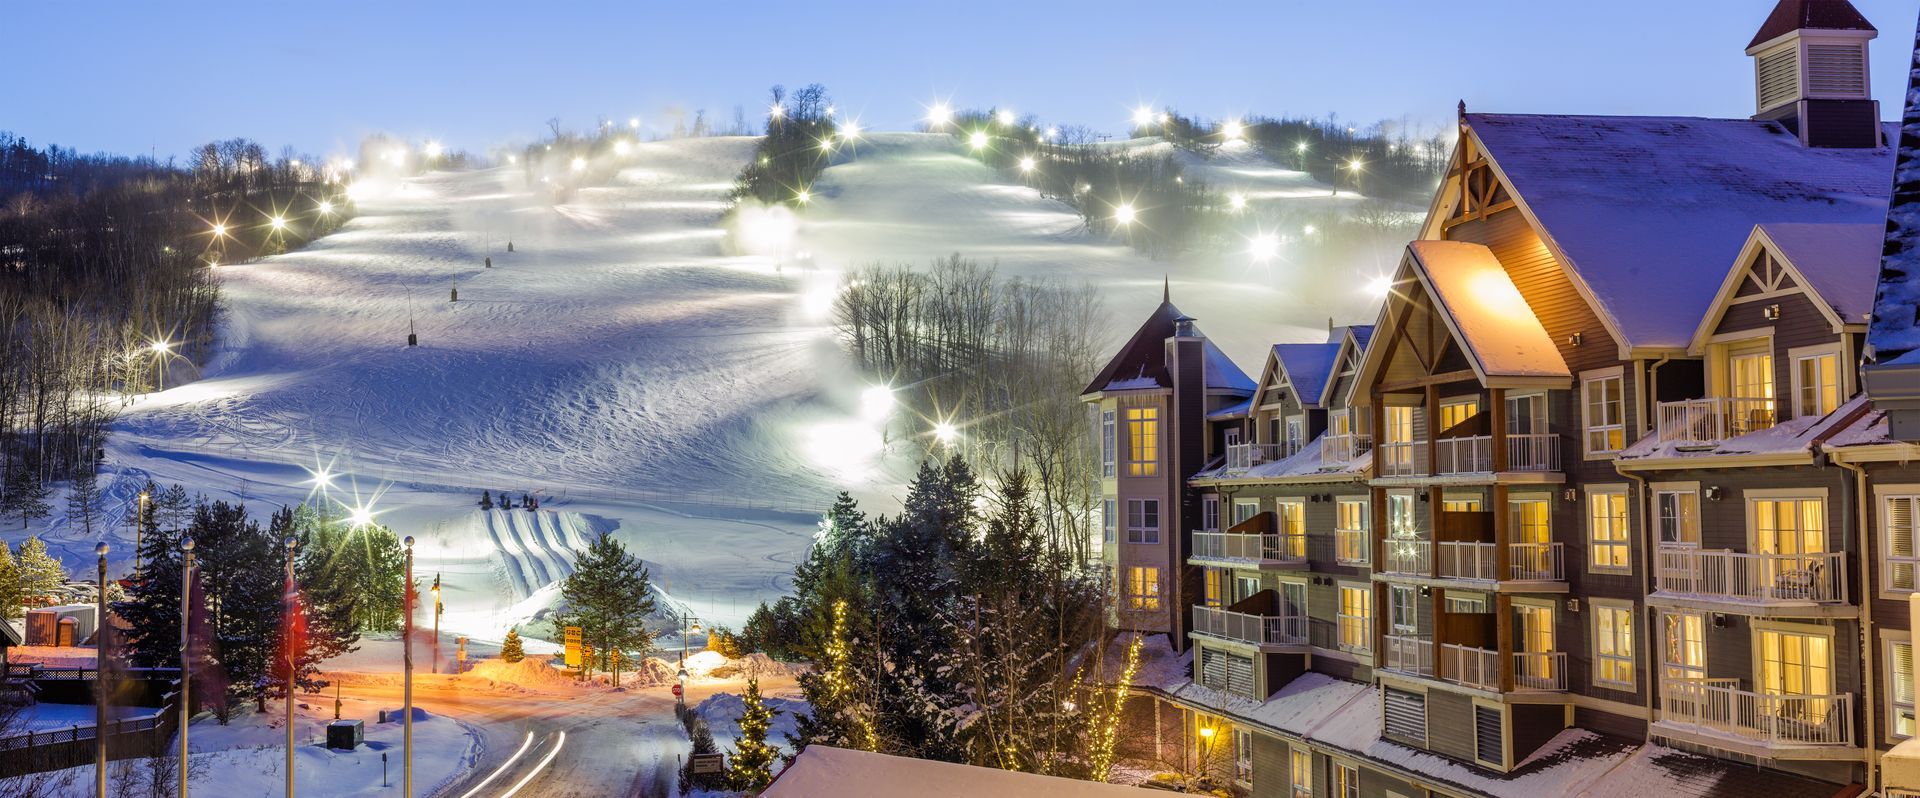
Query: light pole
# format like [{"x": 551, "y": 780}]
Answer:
[
  {"x": 100, "y": 680},
  {"x": 186, "y": 664},
  {"x": 287, "y": 614},
  {"x": 681, "y": 699},
  {"x": 436, "y": 623},
  {"x": 406, "y": 690}
]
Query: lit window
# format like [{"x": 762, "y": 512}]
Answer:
[
  {"x": 1346, "y": 781},
  {"x": 1900, "y": 561},
  {"x": 1292, "y": 517},
  {"x": 1143, "y": 520},
  {"x": 1108, "y": 444},
  {"x": 1243, "y": 756},
  {"x": 1356, "y": 618},
  {"x": 1817, "y": 383},
  {"x": 1613, "y": 646},
  {"x": 1900, "y": 686},
  {"x": 1789, "y": 527},
  {"x": 1302, "y": 762},
  {"x": 1453, "y": 414},
  {"x": 1143, "y": 441},
  {"x": 1215, "y": 587},
  {"x": 1604, "y": 412},
  {"x": 1685, "y": 649},
  {"x": 1679, "y": 517},
  {"x": 1607, "y": 548},
  {"x": 1531, "y": 552},
  {"x": 1350, "y": 533},
  {"x": 1796, "y": 664},
  {"x": 1143, "y": 588}
]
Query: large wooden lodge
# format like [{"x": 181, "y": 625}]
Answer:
[{"x": 1616, "y": 495}]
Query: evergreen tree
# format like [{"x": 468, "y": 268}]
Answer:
[
  {"x": 609, "y": 596},
  {"x": 510, "y": 650},
  {"x": 41, "y": 576},
  {"x": 152, "y": 611},
  {"x": 173, "y": 506},
  {"x": 369, "y": 563},
  {"x": 836, "y": 692},
  {"x": 24, "y": 496},
  {"x": 241, "y": 569},
  {"x": 324, "y": 627},
  {"x": 83, "y": 498},
  {"x": 752, "y": 757},
  {"x": 10, "y": 590}
]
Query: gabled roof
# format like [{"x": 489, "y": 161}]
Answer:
[
  {"x": 1354, "y": 339},
  {"x": 1485, "y": 311},
  {"x": 1362, "y": 334},
  {"x": 1142, "y": 362},
  {"x": 1644, "y": 212},
  {"x": 1836, "y": 264},
  {"x": 1308, "y": 367},
  {"x": 1793, "y": 15}
]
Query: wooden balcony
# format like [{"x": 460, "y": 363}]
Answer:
[
  {"x": 1714, "y": 419},
  {"x": 1790, "y": 585},
  {"x": 1269, "y": 550},
  {"x": 1477, "y": 561},
  {"x": 1716, "y": 712},
  {"x": 1269, "y": 632}
]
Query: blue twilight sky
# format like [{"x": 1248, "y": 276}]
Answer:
[{"x": 135, "y": 76}]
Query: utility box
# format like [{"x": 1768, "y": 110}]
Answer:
[{"x": 346, "y": 735}]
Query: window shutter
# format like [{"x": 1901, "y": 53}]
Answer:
[
  {"x": 1406, "y": 714},
  {"x": 1836, "y": 70},
  {"x": 1488, "y": 744}
]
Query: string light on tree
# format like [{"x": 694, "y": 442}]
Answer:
[{"x": 1107, "y": 714}]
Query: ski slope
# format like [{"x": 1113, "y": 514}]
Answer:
[{"x": 627, "y": 367}]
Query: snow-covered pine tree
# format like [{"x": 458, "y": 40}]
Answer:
[
  {"x": 752, "y": 766},
  {"x": 10, "y": 593},
  {"x": 40, "y": 574},
  {"x": 836, "y": 692},
  {"x": 510, "y": 648}
]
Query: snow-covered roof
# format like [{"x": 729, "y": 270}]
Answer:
[
  {"x": 1304, "y": 463},
  {"x": 1648, "y": 211},
  {"x": 1840, "y": 261},
  {"x": 1895, "y": 329},
  {"x": 1142, "y": 362},
  {"x": 1362, "y": 334},
  {"x": 1232, "y": 411},
  {"x": 821, "y": 770},
  {"x": 1791, "y": 436},
  {"x": 1495, "y": 325},
  {"x": 1309, "y": 367}
]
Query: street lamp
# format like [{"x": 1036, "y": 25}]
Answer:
[
  {"x": 287, "y": 610},
  {"x": 100, "y": 680},
  {"x": 186, "y": 666},
  {"x": 406, "y": 690},
  {"x": 436, "y": 623}
]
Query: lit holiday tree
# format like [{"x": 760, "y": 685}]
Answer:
[
  {"x": 510, "y": 651},
  {"x": 752, "y": 757},
  {"x": 1107, "y": 717}
]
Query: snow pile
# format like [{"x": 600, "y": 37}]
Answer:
[
  {"x": 756, "y": 665},
  {"x": 722, "y": 712}
]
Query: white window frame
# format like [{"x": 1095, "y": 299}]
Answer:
[
  {"x": 1109, "y": 443},
  {"x": 1410, "y": 608},
  {"x": 1238, "y": 504},
  {"x": 1589, "y": 426},
  {"x": 1754, "y": 496},
  {"x": 1884, "y": 498},
  {"x": 1405, "y": 499},
  {"x": 1210, "y": 513},
  {"x": 1138, "y": 601},
  {"x": 1299, "y": 778},
  {"x": 1630, "y": 658},
  {"x": 1365, "y": 517},
  {"x": 1242, "y": 756},
  {"x": 1542, "y": 420},
  {"x": 1803, "y": 353},
  {"x": 1449, "y": 404},
  {"x": 1671, "y": 669},
  {"x": 1110, "y": 508},
  {"x": 1148, "y": 466},
  {"x": 1295, "y": 430},
  {"x": 1889, "y": 639},
  {"x": 1346, "y": 780},
  {"x": 1624, "y": 539},
  {"x": 1138, "y": 530},
  {"x": 1343, "y": 619},
  {"x": 1661, "y": 490}
]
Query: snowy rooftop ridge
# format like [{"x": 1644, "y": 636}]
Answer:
[
  {"x": 1142, "y": 362},
  {"x": 1649, "y": 212},
  {"x": 1309, "y": 367},
  {"x": 1840, "y": 261},
  {"x": 1895, "y": 329}
]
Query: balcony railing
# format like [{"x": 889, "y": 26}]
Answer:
[
  {"x": 1341, "y": 449},
  {"x": 1259, "y": 630},
  {"x": 1473, "y": 667},
  {"x": 1242, "y": 456},
  {"x": 1466, "y": 560},
  {"x": 1713, "y": 419},
  {"x": 1540, "y": 670},
  {"x": 1469, "y": 455},
  {"x": 1408, "y": 557},
  {"x": 1719, "y": 706},
  {"x": 1409, "y": 654},
  {"x": 1533, "y": 452},
  {"x": 1352, "y": 547},
  {"x": 1536, "y": 562},
  {"x": 1240, "y": 546},
  {"x": 1810, "y": 578},
  {"x": 1404, "y": 459}
]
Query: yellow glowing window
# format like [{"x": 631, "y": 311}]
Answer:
[{"x": 1143, "y": 441}]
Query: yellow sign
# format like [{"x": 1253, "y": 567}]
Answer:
[{"x": 573, "y": 646}]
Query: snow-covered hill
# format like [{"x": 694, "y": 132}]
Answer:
[{"x": 623, "y": 364}]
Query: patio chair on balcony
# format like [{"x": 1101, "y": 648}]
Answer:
[{"x": 1798, "y": 583}]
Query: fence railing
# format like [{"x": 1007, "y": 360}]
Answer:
[
  {"x": 1533, "y": 451},
  {"x": 1713, "y": 419},
  {"x": 1466, "y": 560},
  {"x": 1240, "y": 546},
  {"x": 1818, "y": 578},
  {"x": 1408, "y": 556},
  {"x": 1352, "y": 547},
  {"x": 1719, "y": 706},
  {"x": 1404, "y": 459},
  {"x": 1470, "y": 666},
  {"x": 1341, "y": 449},
  {"x": 1272, "y": 630},
  {"x": 1409, "y": 654},
  {"x": 1536, "y": 562},
  {"x": 1540, "y": 670},
  {"x": 1469, "y": 455},
  {"x": 1242, "y": 456}
]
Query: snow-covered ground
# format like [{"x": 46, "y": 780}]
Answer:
[{"x": 624, "y": 365}]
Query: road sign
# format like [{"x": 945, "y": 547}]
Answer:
[
  {"x": 463, "y": 648},
  {"x": 573, "y": 646},
  {"x": 678, "y": 691},
  {"x": 708, "y": 763}
]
